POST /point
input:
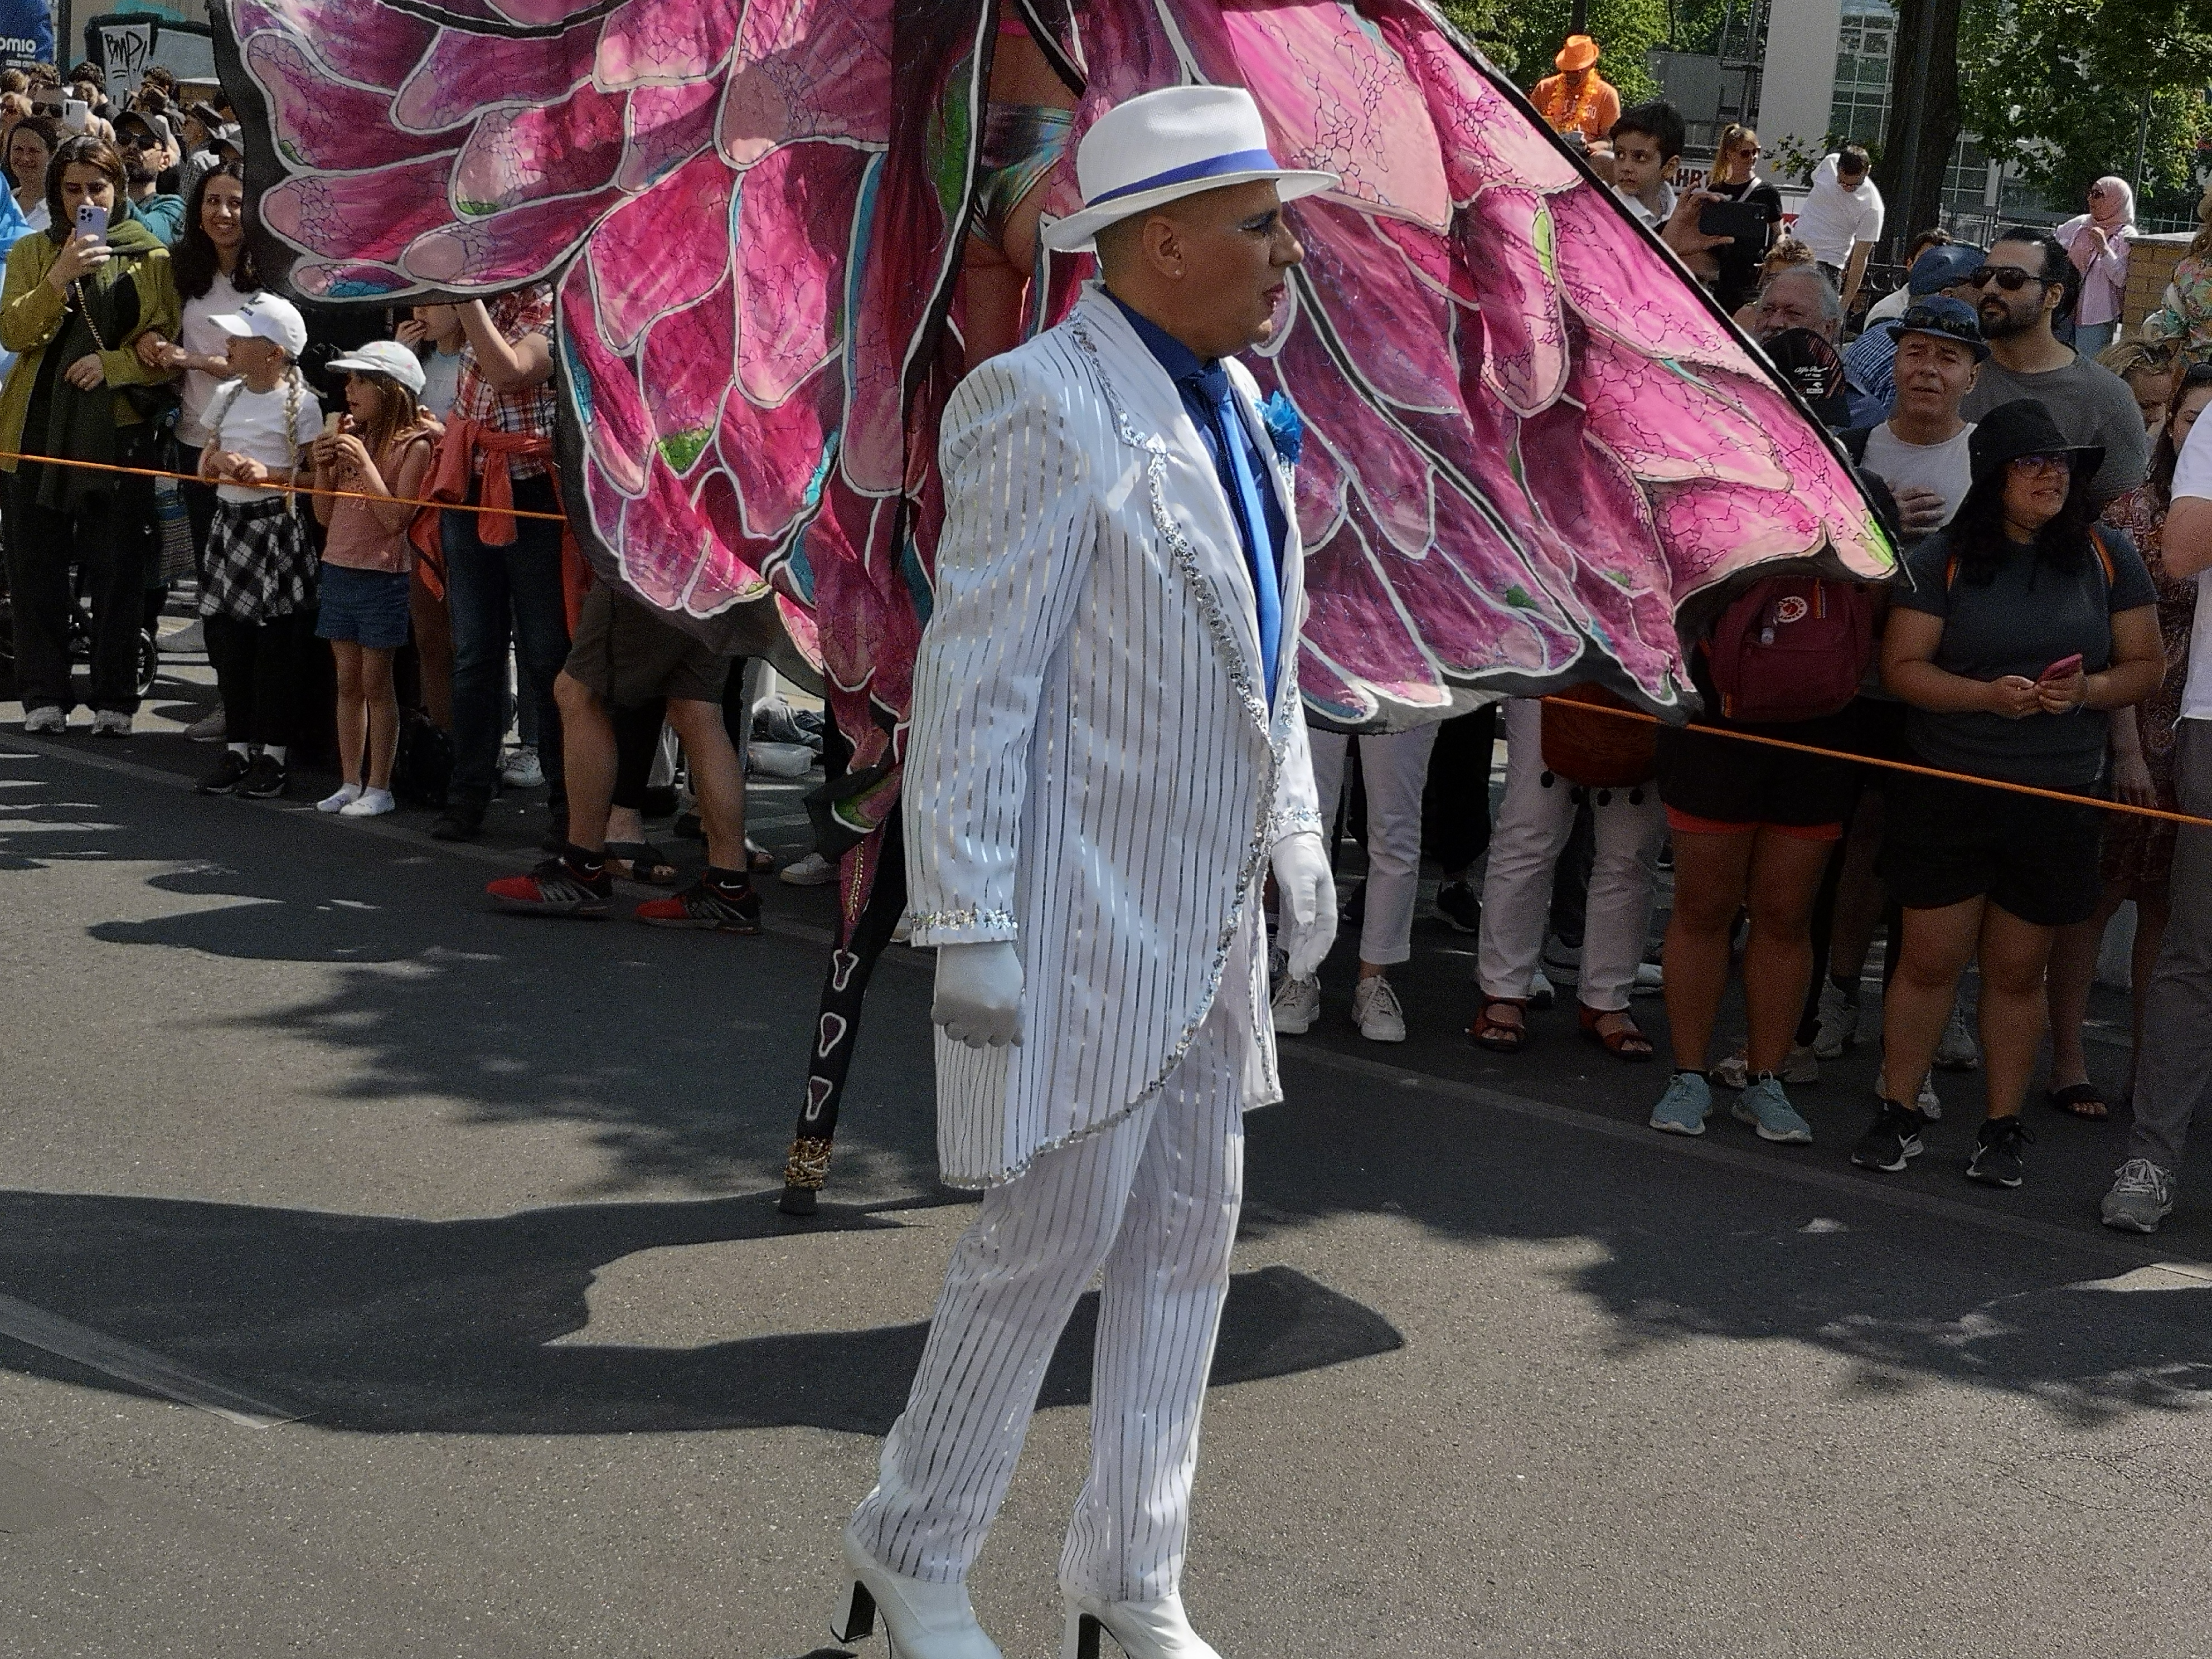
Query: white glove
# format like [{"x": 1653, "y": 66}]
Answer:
[
  {"x": 978, "y": 995},
  {"x": 1305, "y": 902}
]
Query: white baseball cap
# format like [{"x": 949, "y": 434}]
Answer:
[
  {"x": 1161, "y": 146},
  {"x": 387, "y": 357},
  {"x": 267, "y": 316}
]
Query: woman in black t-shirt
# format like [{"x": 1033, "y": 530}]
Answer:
[
  {"x": 2022, "y": 626},
  {"x": 1732, "y": 180}
]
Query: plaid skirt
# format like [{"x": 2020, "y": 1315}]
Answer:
[{"x": 259, "y": 566}]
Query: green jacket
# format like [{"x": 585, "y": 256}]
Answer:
[{"x": 32, "y": 314}]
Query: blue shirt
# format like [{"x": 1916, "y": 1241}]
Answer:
[
  {"x": 1262, "y": 541},
  {"x": 1871, "y": 363}
]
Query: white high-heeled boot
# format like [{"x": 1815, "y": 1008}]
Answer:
[
  {"x": 921, "y": 1620},
  {"x": 1145, "y": 1630}
]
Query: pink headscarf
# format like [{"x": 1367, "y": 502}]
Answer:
[{"x": 2113, "y": 207}]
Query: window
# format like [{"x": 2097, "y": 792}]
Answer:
[{"x": 1866, "y": 43}]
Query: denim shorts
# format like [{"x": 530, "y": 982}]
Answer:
[{"x": 368, "y": 607}]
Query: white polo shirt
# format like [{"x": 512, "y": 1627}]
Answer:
[{"x": 2192, "y": 475}]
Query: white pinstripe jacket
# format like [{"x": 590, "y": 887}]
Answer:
[{"x": 1093, "y": 771}]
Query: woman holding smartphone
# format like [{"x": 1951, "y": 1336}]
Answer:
[
  {"x": 2024, "y": 624},
  {"x": 1732, "y": 181},
  {"x": 75, "y": 301}
]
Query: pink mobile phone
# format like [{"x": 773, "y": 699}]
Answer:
[{"x": 2063, "y": 668}]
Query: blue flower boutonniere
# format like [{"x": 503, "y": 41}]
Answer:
[{"x": 1285, "y": 429}]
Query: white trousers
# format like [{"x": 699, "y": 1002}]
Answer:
[
  {"x": 1396, "y": 766},
  {"x": 1531, "y": 830},
  {"x": 1153, "y": 1201}
]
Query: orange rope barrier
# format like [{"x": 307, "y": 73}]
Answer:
[
  {"x": 1893, "y": 766},
  {"x": 277, "y": 488}
]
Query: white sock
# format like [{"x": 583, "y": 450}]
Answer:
[{"x": 274, "y": 751}]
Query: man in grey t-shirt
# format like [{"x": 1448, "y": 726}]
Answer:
[{"x": 2027, "y": 282}]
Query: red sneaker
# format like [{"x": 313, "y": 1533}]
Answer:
[
  {"x": 706, "y": 906},
  {"x": 555, "y": 888}
]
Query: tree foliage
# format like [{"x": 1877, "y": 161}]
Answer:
[
  {"x": 1521, "y": 36},
  {"x": 2061, "y": 86}
]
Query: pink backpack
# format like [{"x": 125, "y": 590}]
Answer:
[{"x": 1791, "y": 649}]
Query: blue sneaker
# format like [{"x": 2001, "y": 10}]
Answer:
[
  {"x": 1767, "y": 1110},
  {"x": 1681, "y": 1110}
]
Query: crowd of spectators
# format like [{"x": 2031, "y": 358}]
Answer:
[{"x": 2045, "y": 633}]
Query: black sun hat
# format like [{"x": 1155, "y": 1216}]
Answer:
[{"x": 2024, "y": 426}]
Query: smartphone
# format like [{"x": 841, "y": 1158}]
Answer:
[
  {"x": 2064, "y": 668},
  {"x": 91, "y": 220},
  {"x": 1744, "y": 221},
  {"x": 76, "y": 114}
]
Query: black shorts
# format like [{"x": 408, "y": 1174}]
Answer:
[
  {"x": 1945, "y": 842},
  {"x": 1727, "y": 782},
  {"x": 629, "y": 653}
]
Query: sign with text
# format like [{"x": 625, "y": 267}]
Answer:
[
  {"x": 27, "y": 33},
  {"x": 126, "y": 50}
]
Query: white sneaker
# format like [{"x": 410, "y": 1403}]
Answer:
[
  {"x": 812, "y": 871},
  {"x": 372, "y": 804},
  {"x": 1375, "y": 1010},
  {"x": 1650, "y": 979},
  {"x": 45, "y": 722},
  {"x": 1563, "y": 966},
  {"x": 1958, "y": 1051},
  {"x": 190, "y": 641},
  {"x": 521, "y": 769},
  {"x": 1543, "y": 996},
  {"x": 339, "y": 799},
  {"x": 1929, "y": 1105},
  {"x": 211, "y": 728},
  {"x": 1839, "y": 1023},
  {"x": 1733, "y": 1072},
  {"x": 1296, "y": 1005},
  {"x": 110, "y": 723}
]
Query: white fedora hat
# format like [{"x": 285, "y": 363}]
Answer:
[{"x": 1162, "y": 145}]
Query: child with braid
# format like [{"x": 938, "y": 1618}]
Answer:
[{"x": 257, "y": 597}]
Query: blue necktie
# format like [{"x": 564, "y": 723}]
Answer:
[{"x": 1243, "y": 490}]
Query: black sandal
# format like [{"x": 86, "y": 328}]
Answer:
[
  {"x": 2076, "y": 1099},
  {"x": 639, "y": 860}
]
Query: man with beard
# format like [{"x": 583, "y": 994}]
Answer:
[
  {"x": 144, "y": 141},
  {"x": 2026, "y": 284}
]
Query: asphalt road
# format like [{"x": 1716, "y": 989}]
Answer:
[{"x": 461, "y": 1228}]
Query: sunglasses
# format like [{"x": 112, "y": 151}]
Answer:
[
  {"x": 2033, "y": 464},
  {"x": 2010, "y": 278}
]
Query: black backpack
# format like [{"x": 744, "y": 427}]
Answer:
[{"x": 422, "y": 765}]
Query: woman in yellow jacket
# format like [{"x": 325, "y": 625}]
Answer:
[{"x": 71, "y": 308}]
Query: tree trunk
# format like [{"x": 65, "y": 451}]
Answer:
[{"x": 1922, "y": 126}]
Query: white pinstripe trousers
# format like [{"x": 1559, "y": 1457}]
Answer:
[{"x": 1153, "y": 1200}]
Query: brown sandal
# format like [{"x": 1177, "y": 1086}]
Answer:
[
  {"x": 1497, "y": 1036},
  {"x": 1625, "y": 1041}
]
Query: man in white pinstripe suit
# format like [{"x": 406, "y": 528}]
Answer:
[{"x": 1107, "y": 755}]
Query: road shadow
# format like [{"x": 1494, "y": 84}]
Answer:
[
  {"x": 381, "y": 1324},
  {"x": 683, "y": 1056}
]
